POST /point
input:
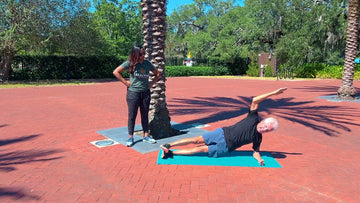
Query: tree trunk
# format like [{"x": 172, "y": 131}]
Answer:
[
  {"x": 7, "y": 56},
  {"x": 154, "y": 30},
  {"x": 347, "y": 90}
]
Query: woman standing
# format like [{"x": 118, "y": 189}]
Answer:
[{"x": 138, "y": 90}]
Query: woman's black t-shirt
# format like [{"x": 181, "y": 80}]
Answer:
[{"x": 244, "y": 132}]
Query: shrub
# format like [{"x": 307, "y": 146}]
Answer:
[
  {"x": 336, "y": 71},
  {"x": 308, "y": 70},
  {"x": 178, "y": 71},
  {"x": 91, "y": 67},
  {"x": 268, "y": 71},
  {"x": 284, "y": 72},
  {"x": 253, "y": 70},
  {"x": 235, "y": 65},
  {"x": 63, "y": 67}
]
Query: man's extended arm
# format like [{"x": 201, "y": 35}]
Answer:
[{"x": 256, "y": 100}]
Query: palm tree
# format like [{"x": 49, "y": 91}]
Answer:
[
  {"x": 154, "y": 30},
  {"x": 347, "y": 90}
]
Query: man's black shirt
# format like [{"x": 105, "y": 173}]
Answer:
[{"x": 244, "y": 132}]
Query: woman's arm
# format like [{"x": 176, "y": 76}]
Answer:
[{"x": 117, "y": 73}]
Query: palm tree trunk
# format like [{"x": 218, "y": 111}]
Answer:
[
  {"x": 347, "y": 90},
  {"x": 154, "y": 30}
]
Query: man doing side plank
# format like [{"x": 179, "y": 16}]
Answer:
[{"x": 222, "y": 141}]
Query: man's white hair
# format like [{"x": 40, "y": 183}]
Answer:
[{"x": 273, "y": 121}]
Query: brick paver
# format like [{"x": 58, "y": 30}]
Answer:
[{"x": 45, "y": 154}]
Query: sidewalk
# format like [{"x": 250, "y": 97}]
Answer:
[{"x": 46, "y": 154}]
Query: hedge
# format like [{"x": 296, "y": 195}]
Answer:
[
  {"x": 63, "y": 67},
  {"x": 97, "y": 67},
  {"x": 93, "y": 67},
  {"x": 178, "y": 71}
]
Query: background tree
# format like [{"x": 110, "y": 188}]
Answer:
[
  {"x": 297, "y": 31},
  {"x": 27, "y": 25},
  {"x": 347, "y": 90},
  {"x": 313, "y": 31},
  {"x": 78, "y": 38},
  {"x": 154, "y": 30},
  {"x": 188, "y": 27},
  {"x": 119, "y": 24}
]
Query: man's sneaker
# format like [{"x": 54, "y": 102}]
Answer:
[
  {"x": 168, "y": 154},
  {"x": 165, "y": 147},
  {"x": 130, "y": 142},
  {"x": 149, "y": 139}
]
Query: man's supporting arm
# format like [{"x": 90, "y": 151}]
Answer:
[
  {"x": 256, "y": 100},
  {"x": 257, "y": 156}
]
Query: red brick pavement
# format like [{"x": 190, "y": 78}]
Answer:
[{"x": 45, "y": 154}]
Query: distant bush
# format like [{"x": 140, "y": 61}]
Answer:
[
  {"x": 63, "y": 67},
  {"x": 178, "y": 71},
  {"x": 253, "y": 70},
  {"x": 235, "y": 65},
  {"x": 336, "y": 72},
  {"x": 331, "y": 72},
  {"x": 97, "y": 67},
  {"x": 308, "y": 70},
  {"x": 268, "y": 71},
  {"x": 35, "y": 68}
]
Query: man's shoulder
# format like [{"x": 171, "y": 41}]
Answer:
[{"x": 253, "y": 113}]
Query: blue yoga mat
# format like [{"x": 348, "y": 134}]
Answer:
[
  {"x": 121, "y": 135},
  {"x": 237, "y": 158}
]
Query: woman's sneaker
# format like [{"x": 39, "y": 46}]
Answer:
[
  {"x": 149, "y": 139},
  {"x": 130, "y": 142}
]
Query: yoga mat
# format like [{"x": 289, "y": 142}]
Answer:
[
  {"x": 236, "y": 158},
  {"x": 120, "y": 135}
]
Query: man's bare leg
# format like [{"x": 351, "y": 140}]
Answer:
[
  {"x": 193, "y": 150},
  {"x": 185, "y": 141},
  {"x": 181, "y": 142},
  {"x": 188, "y": 151}
]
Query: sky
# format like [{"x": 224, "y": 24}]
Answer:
[{"x": 173, "y": 4}]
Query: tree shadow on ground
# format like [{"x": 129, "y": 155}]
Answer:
[
  {"x": 9, "y": 161},
  {"x": 17, "y": 194},
  {"x": 19, "y": 139},
  {"x": 330, "y": 120},
  {"x": 3, "y": 125},
  {"x": 220, "y": 108}
]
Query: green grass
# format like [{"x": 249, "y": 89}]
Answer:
[
  {"x": 20, "y": 84},
  {"x": 253, "y": 78}
]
